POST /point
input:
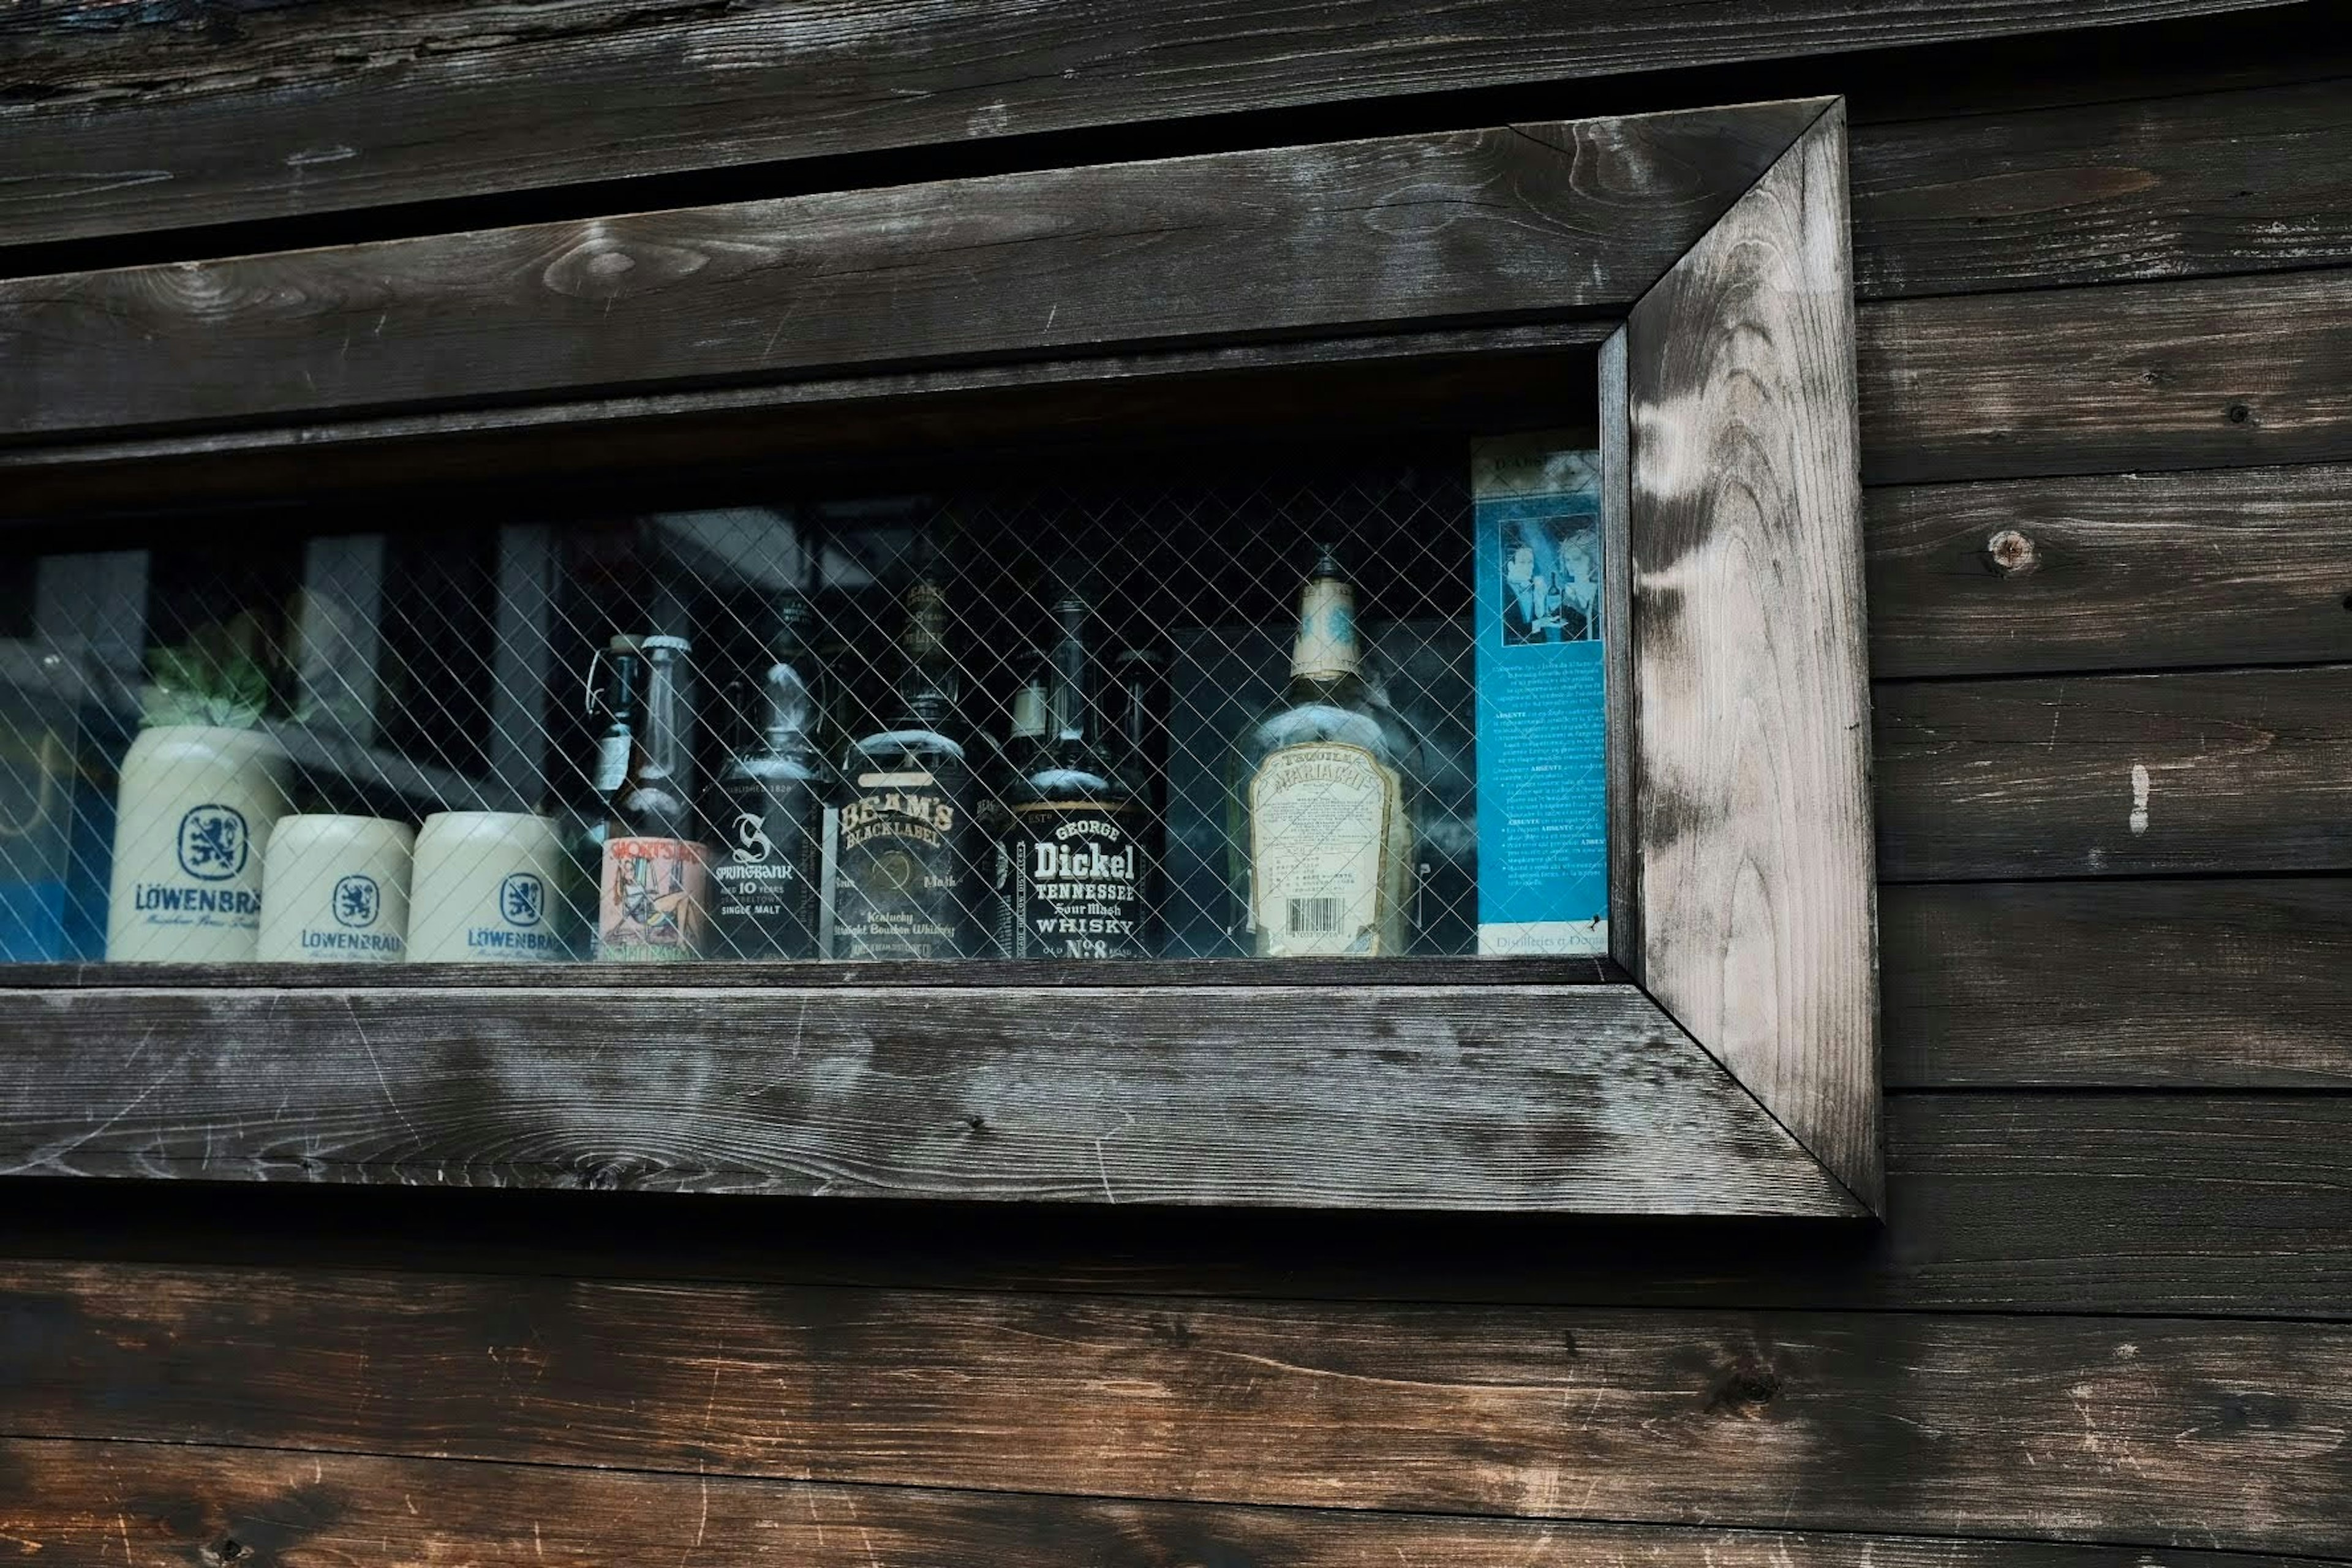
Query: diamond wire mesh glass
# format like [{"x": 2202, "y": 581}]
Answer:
[{"x": 436, "y": 743}]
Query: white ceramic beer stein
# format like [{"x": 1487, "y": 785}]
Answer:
[
  {"x": 336, "y": 890},
  {"x": 194, "y": 811},
  {"x": 486, "y": 889}
]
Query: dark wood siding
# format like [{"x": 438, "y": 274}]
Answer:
[{"x": 2105, "y": 288}]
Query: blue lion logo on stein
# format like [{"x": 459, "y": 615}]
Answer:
[
  {"x": 357, "y": 901},
  {"x": 214, "y": 842},
  {"x": 522, "y": 899}
]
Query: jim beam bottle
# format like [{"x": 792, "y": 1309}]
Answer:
[
  {"x": 1321, "y": 795},
  {"x": 654, "y": 890},
  {"x": 1077, "y": 834},
  {"x": 911, "y": 878},
  {"x": 770, "y": 813}
]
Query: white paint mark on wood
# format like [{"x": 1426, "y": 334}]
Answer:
[
  {"x": 310, "y": 156},
  {"x": 2140, "y": 797}
]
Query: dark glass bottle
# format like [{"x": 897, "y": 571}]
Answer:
[
  {"x": 653, "y": 892},
  {"x": 1077, "y": 839},
  {"x": 910, "y": 879},
  {"x": 771, "y": 814}
]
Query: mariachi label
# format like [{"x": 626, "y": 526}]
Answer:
[
  {"x": 1075, "y": 876},
  {"x": 905, "y": 883},
  {"x": 653, "y": 904},
  {"x": 1330, "y": 845},
  {"x": 766, "y": 898}
]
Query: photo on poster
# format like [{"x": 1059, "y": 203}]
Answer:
[{"x": 1550, "y": 588}]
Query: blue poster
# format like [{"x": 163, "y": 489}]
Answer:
[{"x": 1543, "y": 796}]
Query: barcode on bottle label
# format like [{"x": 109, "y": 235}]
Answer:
[{"x": 1312, "y": 917}]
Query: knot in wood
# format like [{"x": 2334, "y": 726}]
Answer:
[
  {"x": 2011, "y": 553},
  {"x": 1746, "y": 1389}
]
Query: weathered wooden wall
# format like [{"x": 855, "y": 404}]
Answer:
[{"x": 2105, "y": 282}]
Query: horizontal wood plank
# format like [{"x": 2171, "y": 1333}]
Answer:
[
  {"x": 2214, "y": 373},
  {"x": 2212, "y": 1205},
  {"x": 1483, "y": 1097},
  {"x": 2232, "y": 770},
  {"x": 2151, "y": 1431},
  {"x": 2119, "y": 983},
  {"x": 2114, "y": 572},
  {"x": 86, "y": 1501},
  {"x": 270, "y": 111},
  {"x": 2190, "y": 185},
  {"x": 2207, "y": 373},
  {"x": 1491, "y": 224}
]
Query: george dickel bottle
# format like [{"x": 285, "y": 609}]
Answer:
[
  {"x": 653, "y": 902},
  {"x": 909, "y": 880},
  {"x": 1322, "y": 809},
  {"x": 1076, "y": 835},
  {"x": 770, "y": 815}
]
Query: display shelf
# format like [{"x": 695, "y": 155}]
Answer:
[{"x": 1692, "y": 267}]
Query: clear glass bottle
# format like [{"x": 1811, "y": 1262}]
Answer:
[
  {"x": 770, "y": 809},
  {"x": 1076, "y": 836},
  {"x": 1320, "y": 799},
  {"x": 910, "y": 879}
]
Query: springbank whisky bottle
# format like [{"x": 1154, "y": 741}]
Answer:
[
  {"x": 910, "y": 879},
  {"x": 1321, "y": 798},
  {"x": 770, "y": 814},
  {"x": 1076, "y": 838}
]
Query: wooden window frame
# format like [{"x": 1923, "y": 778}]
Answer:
[{"x": 1724, "y": 1060}]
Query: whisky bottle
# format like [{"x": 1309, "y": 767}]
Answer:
[
  {"x": 770, "y": 809},
  {"x": 910, "y": 881},
  {"x": 1076, "y": 839},
  {"x": 1321, "y": 808},
  {"x": 654, "y": 890}
]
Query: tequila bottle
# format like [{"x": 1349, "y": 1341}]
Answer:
[{"x": 1321, "y": 823}]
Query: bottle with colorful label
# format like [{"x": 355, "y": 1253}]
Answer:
[{"x": 653, "y": 900}]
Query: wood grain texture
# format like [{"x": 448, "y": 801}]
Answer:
[
  {"x": 1485, "y": 225},
  {"x": 2219, "y": 373},
  {"x": 2119, "y": 983},
  {"x": 2149, "y": 1431},
  {"x": 2231, "y": 771},
  {"x": 1580, "y": 1098},
  {"x": 83, "y": 1501},
  {"x": 252, "y": 111},
  {"x": 846, "y": 429},
  {"x": 2117, "y": 571},
  {"x": 1623, "y": 741},
  {"x": 2236, "y": 1205},
  {"x": 2192, "y": 185},
  {"x": 1750, "y": 676}
]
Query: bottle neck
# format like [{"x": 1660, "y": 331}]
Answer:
[
  {"x": 1069, "y": 706},
  {"x": 1325, "y": 651},
  {"x": 927, "y": 686}
]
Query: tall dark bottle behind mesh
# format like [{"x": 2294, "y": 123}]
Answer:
[
  {"x": 910, "y": 881},
  {"x": 1077, "y": 842},
  {"x": 653, "y": 895},
  {"x": 769, "y": 814}
]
